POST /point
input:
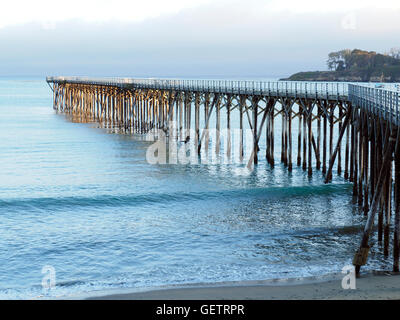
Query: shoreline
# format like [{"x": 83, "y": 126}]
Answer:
[{"x": 371, "y": 285}]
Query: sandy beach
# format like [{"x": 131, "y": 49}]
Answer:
[{"x": 370, "y": 286}]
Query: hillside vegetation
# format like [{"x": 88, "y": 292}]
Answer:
[{"x": 356, "y": 65}]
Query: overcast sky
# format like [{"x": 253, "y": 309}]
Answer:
[{"x": 182, "y": 38}]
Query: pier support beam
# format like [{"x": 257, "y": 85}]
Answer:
[{"x": 361, "y": 255}]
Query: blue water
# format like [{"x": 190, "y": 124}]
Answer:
[{"x": 83, "y": 200}]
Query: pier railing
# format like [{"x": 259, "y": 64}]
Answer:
[
  {"x": 382, "y": 102},
  {"x": 294, "y": 89}
]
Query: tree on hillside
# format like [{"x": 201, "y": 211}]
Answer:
[
  {"x": 395, "y": 52},
  {"x": 338, "y": 60}
]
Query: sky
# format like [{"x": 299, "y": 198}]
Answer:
[{"x": 188, "y": 38}]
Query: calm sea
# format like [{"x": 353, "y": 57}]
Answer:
[{"x": 83, "y": 200}]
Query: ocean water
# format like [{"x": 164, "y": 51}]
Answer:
[{"x": 84, "y": 200}]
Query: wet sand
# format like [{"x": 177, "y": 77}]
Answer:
[{"x": 369, "y": 286}]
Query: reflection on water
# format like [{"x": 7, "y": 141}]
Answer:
[{"x": 84, "y": 200}]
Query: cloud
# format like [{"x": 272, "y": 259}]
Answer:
[
  {"x": 317, "y": 6},
  {"x": 206, "y": 40},
  {"x": 25, "y": 11}
]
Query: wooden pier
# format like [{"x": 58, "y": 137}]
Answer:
[{"x": 351, "y": 129}]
